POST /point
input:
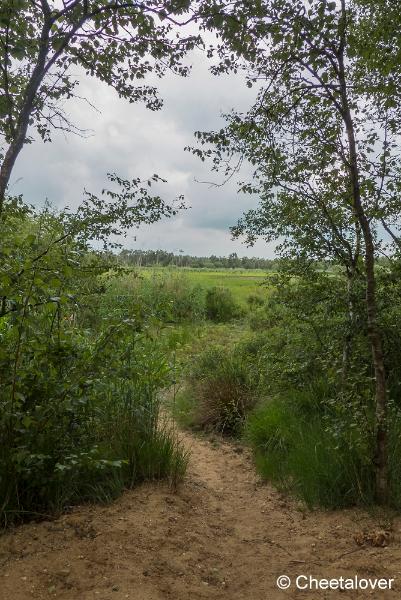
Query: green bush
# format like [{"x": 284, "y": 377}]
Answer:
[
  {"x": 221, "y": 306},
  {"x": 79, "y": 394},
  {"x": 254, "y": 300},
  {"x": 315, "y": 436},
  {"x": 83, "y": 422},
  {"x": 149, "y": 447}
]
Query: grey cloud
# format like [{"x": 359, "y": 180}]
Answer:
[{"x": 132, "y": 141}]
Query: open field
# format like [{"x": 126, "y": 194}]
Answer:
[{"x": 242, "y": 282}]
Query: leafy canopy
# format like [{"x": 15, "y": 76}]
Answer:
[
  {"x": 312, "y": 67},
  {"x": 117, "y": 42}
]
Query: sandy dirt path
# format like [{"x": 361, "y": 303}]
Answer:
[{"x": 223, "y": 535}]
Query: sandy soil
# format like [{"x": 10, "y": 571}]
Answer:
[{"x": 223, "y": 535}]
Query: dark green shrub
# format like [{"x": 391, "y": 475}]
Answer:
[
  {"x": 79, "y": 406},
  {"x": 221, "y": 306}
]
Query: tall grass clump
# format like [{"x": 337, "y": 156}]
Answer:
[
  {"x": 170, "y": 297},
  {"x": 219, "y": 392},
  {"x": 147, "y": 441},
  {"x": 323, "y": 461}
]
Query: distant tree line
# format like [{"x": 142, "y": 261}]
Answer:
[{"x": 162, "y": 258}]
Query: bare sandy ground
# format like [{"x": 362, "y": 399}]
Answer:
[{"x": 222, "y": 535}]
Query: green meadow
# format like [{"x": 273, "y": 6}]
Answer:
[{"x": 241, "y": 282}]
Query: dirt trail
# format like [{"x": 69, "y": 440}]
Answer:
[{"x": 223, "y": 535}]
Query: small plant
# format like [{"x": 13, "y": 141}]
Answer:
[
  {"x": 221, "y": 306},
  {"x": 255, "y": 301}
]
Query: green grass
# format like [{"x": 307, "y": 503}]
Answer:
[
  {"x": 242, "y": 282},
  {"x": 299, "y": 454}
]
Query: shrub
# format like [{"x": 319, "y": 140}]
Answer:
[
  {"x": 316, "y": 437},
  {"x": 149, "y": 447},
  {"x": 255, "y": 301},
  {"x": 84, "y": 423},
  {"x": 79, "y": 406},
  {"x": 221, "y": 306},
  {"x": 173, "y": 298}
]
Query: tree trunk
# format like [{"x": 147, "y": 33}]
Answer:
[
  {"x": 347, "y": 347},
  {"x": 18, "y": 141},
  {"x": 374, "y": 332}
]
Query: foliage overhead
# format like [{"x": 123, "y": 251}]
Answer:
[
  {"x": 302, "y": 56},
  {"x": 116, "y": 42},
  {"x": 46, "y": 46}
]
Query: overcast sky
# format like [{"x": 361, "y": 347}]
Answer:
[{"x": 134, "y": 142}]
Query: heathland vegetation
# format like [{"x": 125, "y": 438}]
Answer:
[
  {"x": 283, "y": 386},
  {"x": 97, "y": 344}
]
